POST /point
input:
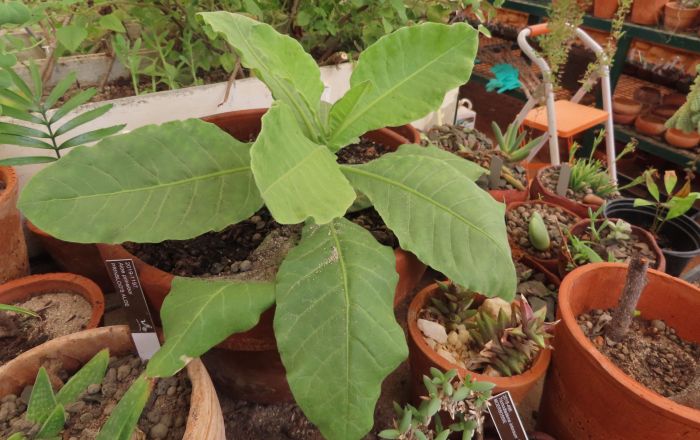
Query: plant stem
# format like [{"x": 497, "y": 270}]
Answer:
[
  {"x": 634, "y": 285},
  {"x": 52, "y": 136}
]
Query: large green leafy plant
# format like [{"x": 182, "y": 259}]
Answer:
[{"x": 334, "y": 319}]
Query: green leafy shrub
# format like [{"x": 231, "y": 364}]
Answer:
[
  {"x": 675, "y": 204},
  {"x": 334, "y": 320}
]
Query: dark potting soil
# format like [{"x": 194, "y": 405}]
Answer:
[
  {"x": 474, "y": 146},
  {"x": 555, "y": 218},
  {"x": 550, "y": 177},
  {"x": 59, "y": 314},
  {"x": 621, "y": 250},
  {"x": 651, "y": 353},
  {"x": 369, "y": 219},
  {"x": 362, "y": 152},
  {"x": 538, "y": 291},
  {"x": 163, "y": 418}
]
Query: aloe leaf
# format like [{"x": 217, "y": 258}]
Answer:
[
  {"x": 126, "y": 414},
  {"x": 174, "y": 181},
  {"x": 42, "y": 400},
  {"x": 467, "y": 168},
  {"x": 21, "y": 130},
  {"x": 297, "y": 178},
  {"x": 443, "y": 217},
  {"x": 335, "y": 325},
  {"x": 53, "y": 424},
  {"x": 91, "y": 136},
  {"x": 60, "y": 89},
  {"x": 198, "y": 314},
  {"x": 83, "y": 118},
  {"x": 91, "y": 373},
  {"x": 410, "y": 70},
  {"x": 279, "y": 61}
]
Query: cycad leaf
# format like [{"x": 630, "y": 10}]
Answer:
[
  {"x": 83, "y": 118},
  {"x": 20, "y": 114},
  {"x": 279, "y": 61},
  {"x": 21, "y": 130},
  {"x": 198, "y": 314},
  {"x": 442, "y": 217},
  {"x": 91, "y": 136},
  {"x": 23, "y": 141},
  {"x": 297, "y": 178},
  {"x": 42, "y": 401},
  {"x": 75, "y": 101},
  {"x": 335, "y": 325},
  {"x": 410, "y": 71},
  {"x": 26, "y": 160},
  {"x": 126, "y": 414},
  {"x": 156, "y": 183},
  {"x": 91, "y": 373},
  {"x": 60, "y": 89}
]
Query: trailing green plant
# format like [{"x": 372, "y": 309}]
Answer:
[
  {"x": 26, "y": 103},
  {"x": 334, "y": 321},
  {"x": 465, "y": 401},
  {"x": 46, "y": 409},
  {"x": 674, "y": 204},
  {"x": 15, "y": 309},
  {"x": 687, "y": 118},
  {"x": 511, "y": 143},
  {"x": 511, "y": 341}
]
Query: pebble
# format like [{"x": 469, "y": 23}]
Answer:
[
  {"x": 153, "y": 416},
  {"x": 593, "y": 199},
  {"x": 26, "y": 394},
  {"x": 658, "y": 324},
  {"x": 171, "y": 391},
  {"x": 245, "y": 265},
  {"x": 235, "y": 267},
  {"x": 257, "y": 236},
  {"x": 453, "y": 339},
  {"x": 432, "y": 330},
  {"x": 86, "y": 417},
  {"x": 493, "y": 306},
  {"x": 158, "y": 431},
  {"x": 94, "y": 388},
  {"x": 255, "y": 219},
  {"x": 123, "y": 372},
  {"x": 447, "y": 356}
]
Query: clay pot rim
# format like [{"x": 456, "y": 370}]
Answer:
[
  {"x": 537, "y": 369},
  {"x": 195, "y": 369},
  {"x": 687, "y": 134},
  {"x": 646, "y": 235},
  {"x": 84, "y": 287},
  {"x": 9, "y": 176},
  {"x": 554, "y": 195},
  {"x": 668, "y": 407},
  {"x": 651, "y": 118}
]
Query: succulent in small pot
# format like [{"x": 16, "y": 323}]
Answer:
[{"x": 680, "y": 15}]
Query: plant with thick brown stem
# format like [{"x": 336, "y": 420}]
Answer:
[{"x": 634, "y": 286}]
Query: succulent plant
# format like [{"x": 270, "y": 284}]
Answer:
[
  {"x": 456, "y": 307},
  {"x": 537, "y": 232},
  {"x": 509, "y": 344}
]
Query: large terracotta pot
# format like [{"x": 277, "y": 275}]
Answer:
[
  {"x": 647, "y": 11},
  {"x": 604, "y": 8},
  {"x": 509, "y": 196},
  {"x": 678, "y": 18},
  {"x": 581, "y": 227},
  {"x": 422, "y": 357},
  {"x": 539, "y": 191},
  {"x": 24, "y": 288},
  {"x": 204, "y": 421},
  {"x": 79, "y": 258},
  {"x": 585, "y": 394},
  {"x": 14, "y": 262}
]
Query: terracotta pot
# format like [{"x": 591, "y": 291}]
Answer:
[
  {"x": 14, "y": 262},
  {"x": 581, "y": 227},
  {"x": 681, "y": 139},
  {"x": 509, "y": 196},
  {"x": 549, "y": 264},
  {"x": 647, "y": 96},
  {"x": 539, "y": 191},
  {"x": 678, "y": 18},
  {"x": 675, "y": 99},
  {"x": 24, "y": 288},
  {"x": 650, "y": 125},
  {"x": 620, "y": 118},
  {"x": 665, "y": 111},
  {"x": 588, "y": 396},
  {"x": 78, "y": 258},
  {"x": 422, "y": 357},
  {"x": 204, "y": 421},
  {"x": 647, "y": 11},
  {"x": 626, "y": 106},
  {"x": 604, "y": 8}
]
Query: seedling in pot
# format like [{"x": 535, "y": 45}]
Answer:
[
  {"x": 511, "y": 143},
  {"x": 675, "y": 203},
  {"x": 26, "y": 103},
  {"x": 465, "y": 401},
  {"x": 335, "y": 288},
  {"x": 46, "y": 409}
]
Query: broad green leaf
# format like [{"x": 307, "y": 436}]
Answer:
[
  {"x": 642, "y": 202},
  {"x": 23, "y": 141},
  {"x": 335, "y": 325},
  {"x": 21, "y": 130},
  {"x": 75, "y": 101},
  {"x": 91, "y": 136},
  {"x": 91, "y": 373},
  {"x": 173, "y": 181},
  {"x": 410, "y": 70},
  {"x": 14, "y": 12},
  {"x": 42, "y": 400},
  {"x": 22, "y": 115},
  {"x": 198, "y": 314},
  {"x": 345, "y": 107},
  {"x": 53, "y": 424},
  {"x": 651, "y": 186},
  {"x": 467, "y": 168},
  {"x": 71, "y": 36},
  {"x": 26, "y": 160},
  {"x": 60, "y": 89},
  {"x": 670, "y": 180},
  {"x": 678, "y": 206},
  {"x": 23, "y": 311},
  {"x": 126, "y": 414},
  {"x": 279, "y": 61},
  {"x": 7, "y": 60},
  {"x": 112, "y": 23},
  {"x": 443, "y": 217},
  {"x": 297, "y": 178},
  {"x": 5, "y": 79},
  {"x": 17, "y": 436},
  {"x": 84, "y": 118}
]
